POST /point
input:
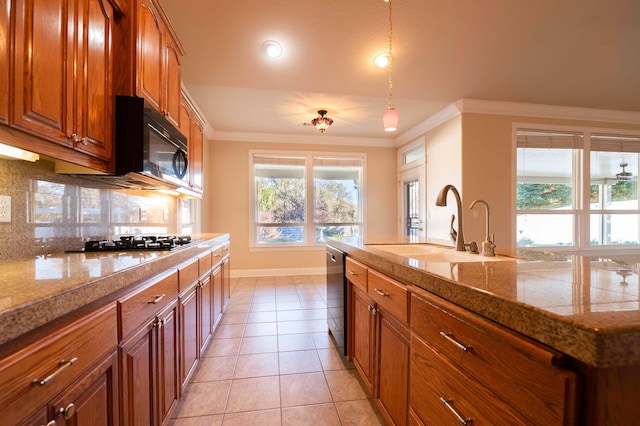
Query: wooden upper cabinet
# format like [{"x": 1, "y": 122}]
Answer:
[
  {"x": 94, "y": 79},
  {"x": 62, "y": 75},
  {"x": 43, "y": 68},
  {"x": 149, "y": 54},
  {"x": 159, "y": 57},
  {"x": 5, "y": 31},
  {"x": 192, "y": 127}
]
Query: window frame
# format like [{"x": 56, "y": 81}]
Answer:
[
  {"x": 581, "y": 179},
  {"x": 309, "y": 225}
]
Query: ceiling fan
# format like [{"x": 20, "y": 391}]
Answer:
[{"x": 625, "y": 175}]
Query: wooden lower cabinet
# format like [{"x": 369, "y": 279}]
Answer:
[
  {"x": 93, "y": 400},
  {"x": 391, "y": 390},
  {"x": 205, "y": 303},
  {"x": 190, "y": 349},
  {"x": 149, "y": 363},
  {"x": 226, "y": 279},
  {"x": 380, "y": 354},
  {"x": 363, "y": 329},
  {"x": 216, "y": 278}
]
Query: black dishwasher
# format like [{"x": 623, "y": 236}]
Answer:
[{"x": 337, "y": 298}]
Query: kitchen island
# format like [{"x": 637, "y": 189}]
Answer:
[{"x": 584, "y": 309}]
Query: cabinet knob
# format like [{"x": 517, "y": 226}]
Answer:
[
  {"x": 84, "y": 141},
  {"x": 74, "y": 137},
  {"x": 68, "y": 411},
  {"x": 51, "y": 423}
]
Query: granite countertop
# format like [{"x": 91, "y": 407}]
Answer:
[
  {"x": 35, "y": 291},
  {"x": 587, "y": 307}
]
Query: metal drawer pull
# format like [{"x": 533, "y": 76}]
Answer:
[
  {"x": 454, "y": 341},
  {"x": 352, "y": 272},
  {"x": 52, "y": 423},
  {"x": 462, "y": 420},
  {"x": 61, "y": 366},
  {"x": 380, "y": 292},
  {"x": 158, "y": 298}
]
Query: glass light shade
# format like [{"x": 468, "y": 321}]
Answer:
[
  {"x": 390, "y": 119},
  {"x": 381, "y": 60},
  {"x": 272, "y": 48}
]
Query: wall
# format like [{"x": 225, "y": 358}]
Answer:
[
  {"x": 53, "y": 212},
  {"x": 226, "y": 204},
  {"x": 443, "y": 146}
]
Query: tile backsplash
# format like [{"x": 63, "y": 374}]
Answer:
[{"x": 52, "y": 212}]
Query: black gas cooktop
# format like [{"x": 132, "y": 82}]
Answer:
[{"x": 137, "y": 242}]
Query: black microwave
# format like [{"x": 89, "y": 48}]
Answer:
[{"x": 148, "y": 145}]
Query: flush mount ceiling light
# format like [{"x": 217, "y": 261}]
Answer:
[
  {"x": 391, "y": 117},
  {"x": 381, "y": 60},
  {"x": 272, "y": 48},
  {"x": 322, "y": 122}
]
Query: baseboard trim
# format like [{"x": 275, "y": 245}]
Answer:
[{"x": 241, "y": 273}]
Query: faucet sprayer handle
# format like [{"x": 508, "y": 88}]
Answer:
[{"x": 452, "y": 232}]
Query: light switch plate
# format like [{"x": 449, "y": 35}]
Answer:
[{"x": 5, "y": 208}]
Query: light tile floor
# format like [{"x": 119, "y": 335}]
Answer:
[{"x": 272, "y": 362}]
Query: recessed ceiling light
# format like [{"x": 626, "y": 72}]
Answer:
[
  {"x": 272, "y": 48},
  {"x": 381, "y": 60}
]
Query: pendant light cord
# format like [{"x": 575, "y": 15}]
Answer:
[{"x": 390, "y": 103}]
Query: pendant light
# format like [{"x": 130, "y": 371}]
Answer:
[{"x": 391, "y": 117}]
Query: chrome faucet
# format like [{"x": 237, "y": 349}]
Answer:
[
  {"x": 488, "y": 245},
  {"x": 456, "y": 236}
]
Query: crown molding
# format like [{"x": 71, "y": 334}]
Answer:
[
  {"x": 301, "y": 139},
  {"x": 442, "y": 116},
  {"x": 477, "y": 106}
]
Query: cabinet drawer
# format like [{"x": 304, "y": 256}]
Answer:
[
  {"x": 218, "y": 254},
  {"x": 521, "y": 372},
  {"x": 389, "y": 294},
  {"x": 187, "y": 273},
  {"x": 204, "y": 263},
  {"x": 434, "y": 381},
  {"x": 33, "y": 375},
  {"x": 139, "y": 306},
  {"x": 356, "y": 272}
]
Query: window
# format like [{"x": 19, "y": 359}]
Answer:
[
  {"x": 572, "y": 191},
  {"x": 283, "y": 184}
]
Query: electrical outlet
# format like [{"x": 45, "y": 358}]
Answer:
[
  {"x": 143, "y": 214},
  {"x": 5, "y": 208},
  {"x": 476, "y": 215}
]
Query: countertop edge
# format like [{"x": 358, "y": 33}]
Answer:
[{"x": 22, "y": 320}]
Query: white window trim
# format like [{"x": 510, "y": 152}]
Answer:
[
  {"x": 581, "y": 204},
  {"x": 308, "y": 242}
]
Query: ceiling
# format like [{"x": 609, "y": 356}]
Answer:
[{"x": 581, "y": 53}]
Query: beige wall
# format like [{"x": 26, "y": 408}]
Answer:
[
  {"x": 226, "y": 203},
  {"x": 443, "y": 146}
]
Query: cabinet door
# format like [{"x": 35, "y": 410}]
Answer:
[
  {"x": 189, "y": 334},
  {"x": 168, "y": 358},
  {"x": 196, "y": 154},
  {"x": 90, "y": 401},
  {"x": 5, "y": 32},
  {"x": 138, "y": 378},
  {"x": 94, "y": 79},
  {"x": 363, "y": 333},
  {"x": 217, "y": 294},
  {"x": 149, "y": 55},
  {"x": 392, "y": 369},
  {"x": 205, "y": 304},
  {"x": 172, "y": 83},
  {"x": 184, "y": 120},
  {"x": 226, "y": 281},
  {"x": 43, "y": 68}
]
